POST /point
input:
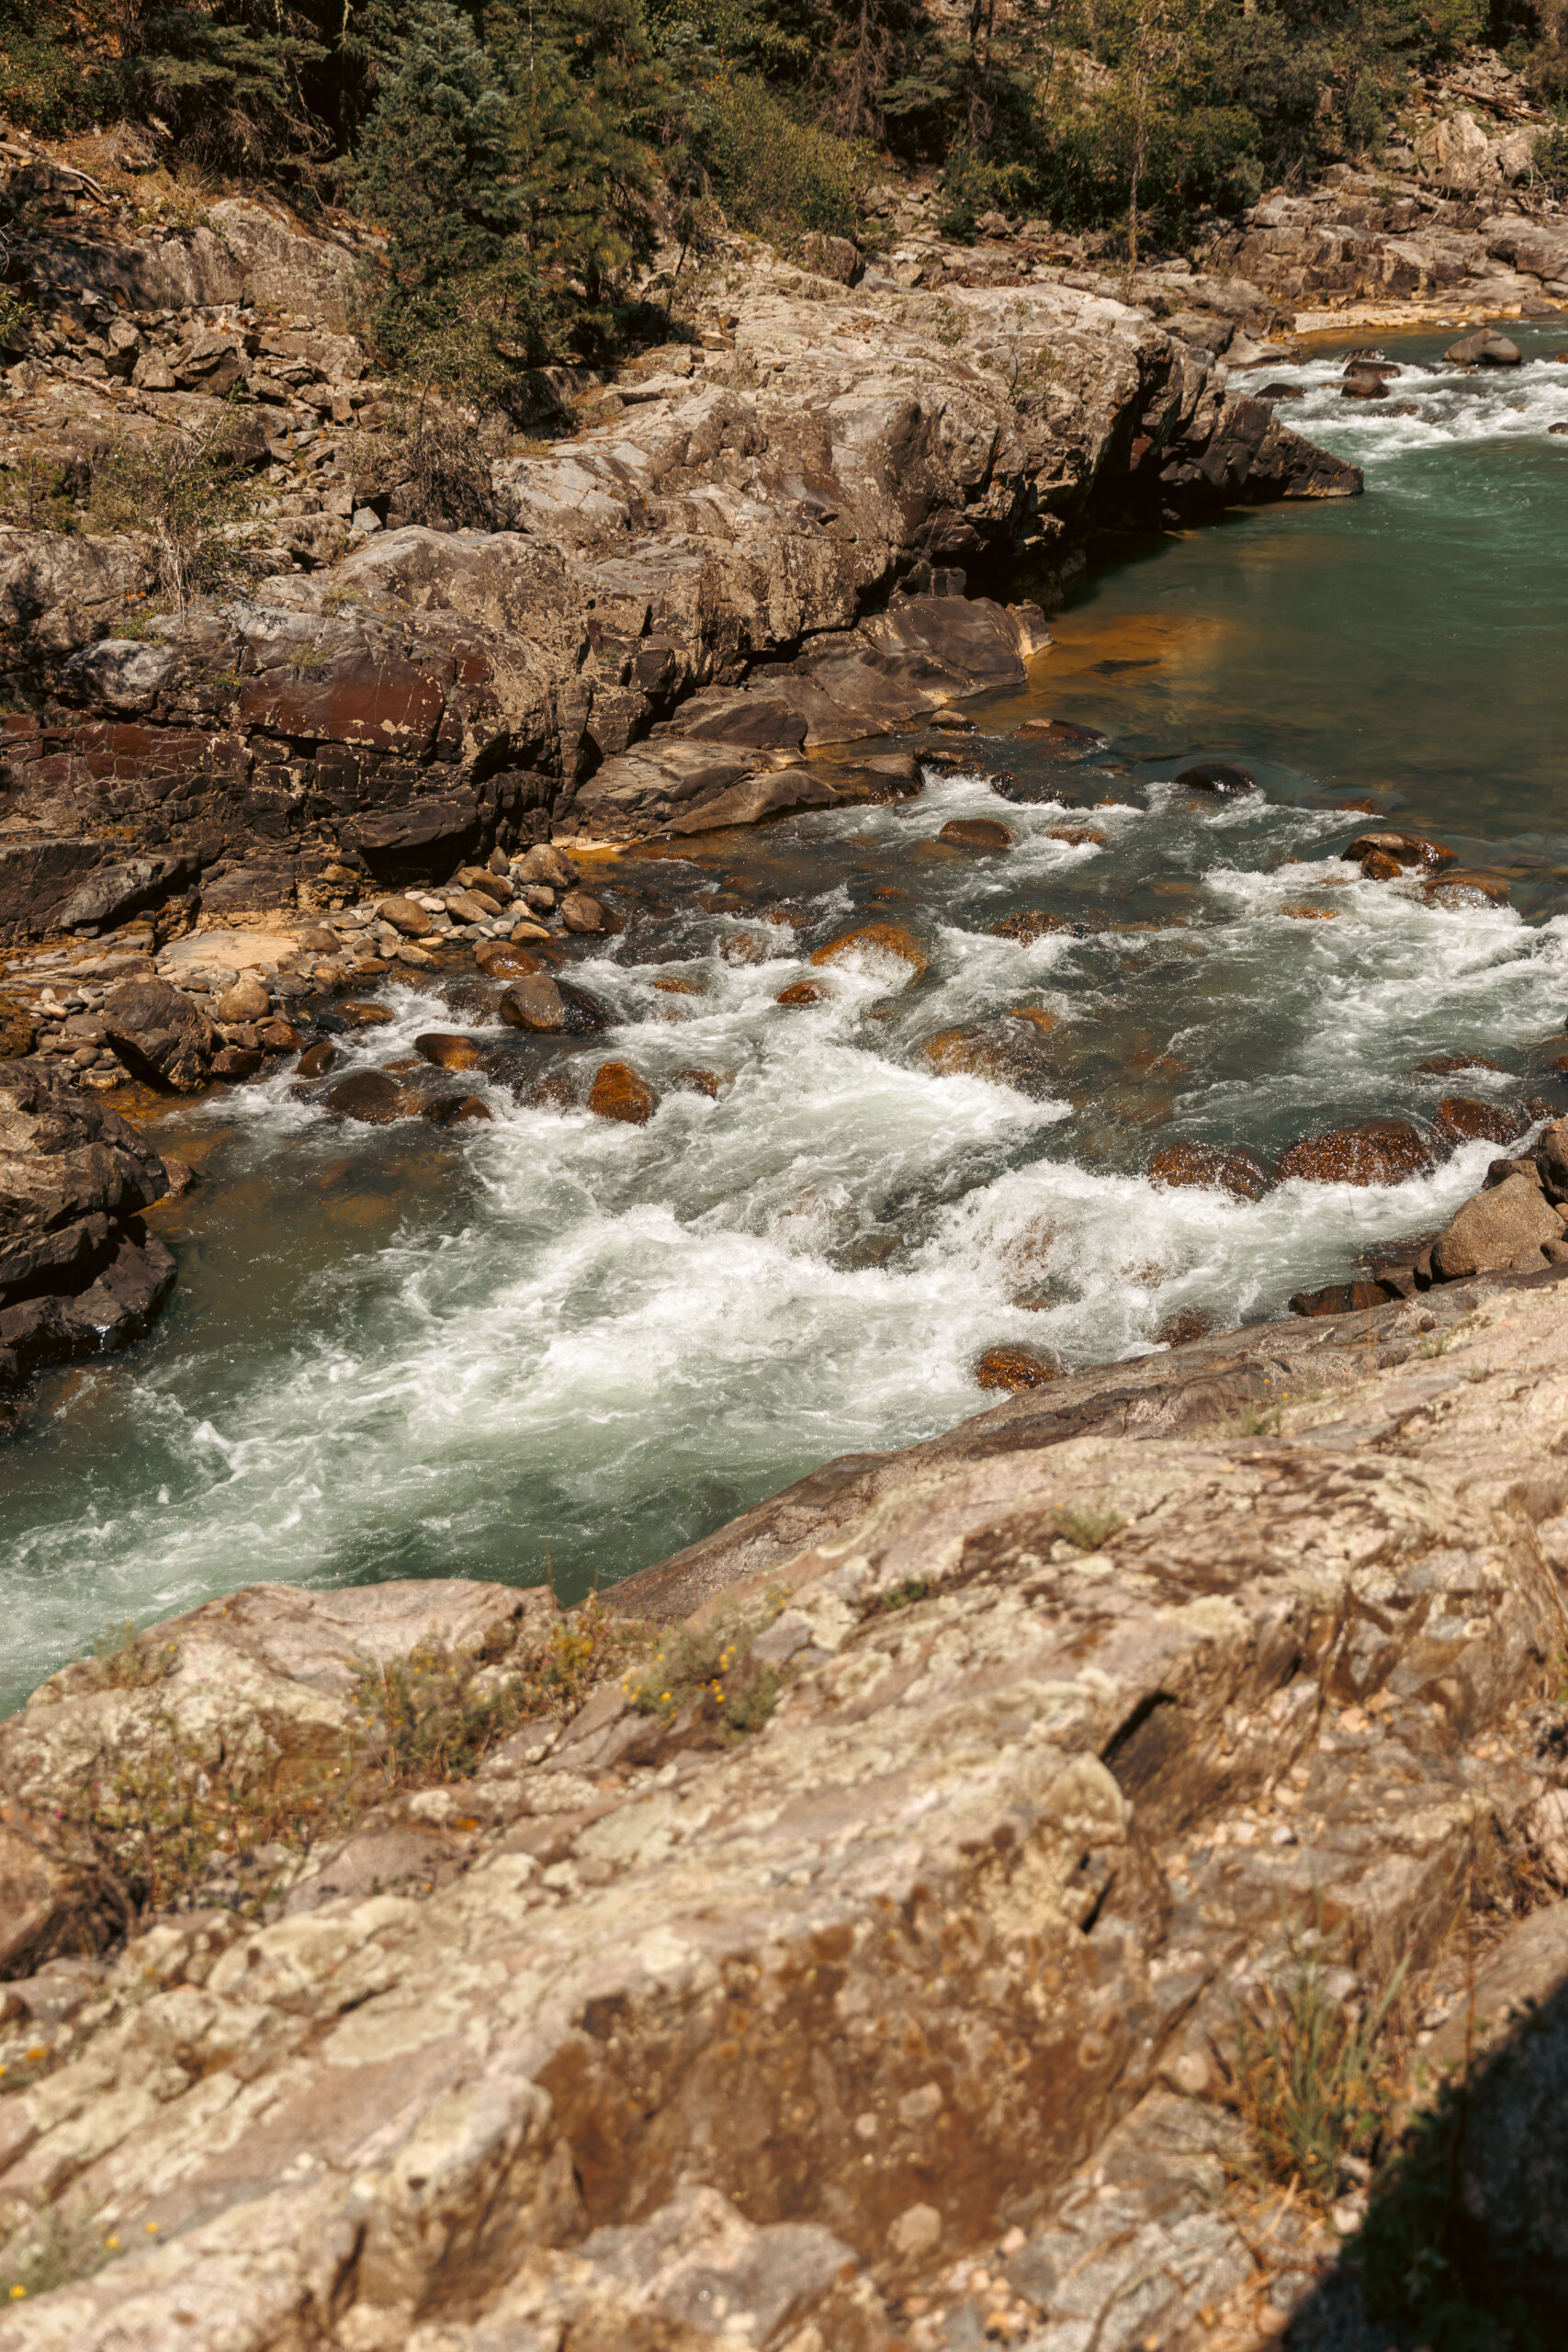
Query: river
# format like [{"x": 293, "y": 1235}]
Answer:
[{"x": 552, "y": 1341}]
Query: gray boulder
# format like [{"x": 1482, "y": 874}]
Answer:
[{"x": 1486, "y": 348}]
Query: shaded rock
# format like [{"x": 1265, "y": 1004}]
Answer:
[
  {"x": 115, "y": 892},
  {"x": 536, "y": 1003},
  {"x": 280, "y": 1038},
  {"x": 18, "y": 1031},
  {"x": 1338, "y": 1298},
  {"x": 159, "y": 1034},
  {"x": 1461, "y": 1119},
  {"x": 1504, "y": 1225},
  {"x": 371, "y": 1097},
  {"x": 801, "y": 992},
  {"x": 876, "y": 938},
  {"x": 454, "y": 1110},
  {"x": 617, "y": 1092},
  {"x": 1012, "y": 1368},
  {"x": 1211, "y": 1165},
  {"x": 1465, "y": 888},
  {"x": 447, "y": 1051},
  {"x": 710, "y": 1082},
  {"x": 233, "y": 1063},
  {"x": 545, "y": 863},
  {"x": 1224, "y": 778},
  {"x": 1446, "y": 1065},
  {"x": 1398, "y": 850},
  {"x": 317, "y": 1059},
  {"x": 1382, "y": 1151},
  {"x": 581, "y": 913},
  {"x": 975, "y": 832},
  {"x": 1062, "y": 740}
]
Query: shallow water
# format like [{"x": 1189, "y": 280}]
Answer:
[{"x": 403, "y": 1351}]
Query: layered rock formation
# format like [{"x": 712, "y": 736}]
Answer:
[
  {"x": 902, "y": 2014},
  {"x": 823, "y": 471}
]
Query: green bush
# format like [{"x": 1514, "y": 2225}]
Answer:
[{"x": 777, "y": 175}]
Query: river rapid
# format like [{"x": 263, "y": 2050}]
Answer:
[{"x": 550, "y": 1340}]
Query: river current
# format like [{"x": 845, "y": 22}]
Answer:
[{"x": 403, "y": 1351}]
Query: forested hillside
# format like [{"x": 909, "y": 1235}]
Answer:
[{"x": 521, "y": 155}]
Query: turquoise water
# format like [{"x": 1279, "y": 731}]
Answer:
[{"x": 398, "y": 1351}]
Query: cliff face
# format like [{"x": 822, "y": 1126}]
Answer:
[
  {"x": 404, "y": 697},
  {"x": 862, "y": 1966}
]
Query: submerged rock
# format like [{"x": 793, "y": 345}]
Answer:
[
  {"x": 1211, "y": 1165},
  {"x": 1382, "y": 1151},
  {"x": 1459, "y": 1118},
  {"x": 1013, "y": 1369},
  {"x": 533, "y": 1003},
  {"x": 372, "y": 1097},
  {"x": 876, "y": 938},
  {"x": 447, "y": 1051},
  {"x": 975, "y": 832},
  {"x": 1226, "y": 779}
]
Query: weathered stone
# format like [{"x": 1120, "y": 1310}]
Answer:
[
  {"x": 447, "y": 1051},
  {"x": 581, "y": 913},
  {"x": 160, "y": 1033},
  {"x": 372, "y": 1097},
  {"x": 1486, "y": 348},
  {"x": 406, "y": 916},
  {"x": 1505, "y": 1224},
  {"x": 247, "y": 999},
  {"x": 975, "y": 832},
  {"x": 317, "y": 1059},
  {"x": 1459, "y": 1118},
  {"x": 1224, "y": 779},
  {"x": 535, "y": 1002},
  {"x": 876, "y": 939},
  {"x": 18, "y": 1031}
]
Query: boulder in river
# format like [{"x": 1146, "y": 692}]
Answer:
[
  {"x": 505, "y": 959},
  {"x": 1462, "y": 887},
  {"x": 876, "y": 938},
  {"x": 1486, "y": 349},
  {"x": 1505, "y": 1224},
  {"x": 1012, "y": 1368},
  {"x": 1210, "y": 1165},
  {"x": 447, "y": 1051},
  {"x": 1398, "y": 850},
  {"x": 1225, "y": 779},
  {"x": 372, "y": 1097},
  {"x": 1034, "y": 922},
  {"x": 1364, "y": 388},
  {"x": 533, "y": 1003},
  {"x": 159, "y": 1034},
  {"x": 454, "y": 1110},
  {"x": 317, "y": 1059},
  {"x": 545, "y": 863},
  {"x": 246, "y": 1000},
  {"x": 1062, "y": 740},
  {"x": 581, "y": 913},
  {"x": 1382, "y": 1151},
  {"x": 975, "y": 832},
  {"x": 617, "y": 1092},
  {"x": 801, "y": 992},
  {"x": 1461, "y": 1119}
]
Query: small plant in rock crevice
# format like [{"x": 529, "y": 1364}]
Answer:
[
  {"x": 57, "y": 2246},
  {"x": 709, "y": 1671},
  {"x": 1085, "y": 1525}
]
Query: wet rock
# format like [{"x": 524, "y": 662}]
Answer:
[
  {"x": 1338, "y": 1298},
  {"x": 1486, "y": 349},
  {"x": 710, "y": 1082},
  {"x": 1447, "y": 1065},
  {"x": 975, "y": 832},
  {"x": 1282, "y": 392},
  {"x": 354, "y": 1015},
  {"x": 233, "y": 1063},
  {"x": 1225, "y": 779},
  {"x": 317, "y": 1059},
  {"x": 1396, "y": 851},
  {"x": 534, "y": 1004},
  {"x": 506, "y": 959},
  {"x": 1363, "y": 388},
  {"x": 1211, "y": 1165},
  {"x": 886, "y": 776},
  {"x": 1034, "y": 922},
  {"x": 1189, "y": 1323},
  {"x": 159, "y": 1034},
  {"x": 448, "y": 1051},
  {"x": 876, "y": 938},
  {"x": 1461, "y": 887},
  {"x": 1382, "y": 1151},
  {"x": 585, "y": 1016},
  {"x": 801, "y": 992},
  {"x": 454, "y": 1110},
  {"x": 1372, "y": 371},
  {"x": 247, "y": 999},
  {"x": 371, "y": 1097},
  {"x": 1062, "y": 740},
  {"x": 545, "y": 863},
  {"x": 1012, "y": 1368},
  {"x": 406, "y": 916},
  {"x": 182, "y": 1176},
  {"x": 19, "y": 1032},
  {"x": 580, "y": 912},
  {"x": 617, "y": 1092},
  {"x": 280, "y": 1038},
  {"x": 1461, "y": 1119}
]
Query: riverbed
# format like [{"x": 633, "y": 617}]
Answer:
[{"x": 550, "y": 1344}]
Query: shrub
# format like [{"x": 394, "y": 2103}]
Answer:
[
  {"x": 710, "y": 1671},
  {"x": 55, "y": 2247},
  {"x": 190, "y": 496},
  {"x": 35, "y": 495},
  {"x": 780, "y": 176}
]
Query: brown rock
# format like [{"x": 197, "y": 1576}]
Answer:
[
  {"x": 1189, "y": 1323},
  {"x": 1403, "y": 849},
  {"x": 1077, "y": 836},
  {"x": 364, "y": 1016},
  {"x": 545, "y": 863},
  {"x": 618, "y": 1093},
  {"x": 246, "y": 1000},
  {"x": 975, "y": 832},
  {"x": 182, "y": 1176},
  {"x": 448, "y": 1052},
  {"x": 471, "y": 906},
  {"x": 454, "y": 1110},
  {"x": 1225, "y": 779},
  {"x": 1310, "y": 914},
  {"x": 534, "y": 1004},
  {"x": 1504, "y": 1225},
  {"x": 1030, "y": 924},
  {"x": 1447, "y": 1065},
  {"x": 702, "y": 1081},
  {"x": 1211, "y": 1165},
  {"x": 1466, "y": 887},
  {"x": 1059, "y": 740},
  {"x": 1461, "y": 1119},
  {"x": 18, "y": 1032},
  {"x": 405, "y": 916},
  {"x": 317, "y": 1059},
  {"x": 804, "y": 992},
  {"x": 1012, "y": 1368},
  {"x": 1037, "y": 1016},
  {"x": 505, "y": 959},
  {"x": 159, "y": 1034},
  {"x": 280, "y": 1038},
  {"x": 581, "y": 913},
  {"x": 1379, "y": 865},
  {"x": 1338, "y": 1298},
  {"x": 1384, "y": 1152},
  {"x": 885, "y": 938},
  {"x": 370, "y": 1096},
  {"x": 487, "y": 885},
  {"x": 235, "y": 1062}
]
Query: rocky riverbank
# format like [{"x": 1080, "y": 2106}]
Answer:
[{"x": 863, "y": 1961}]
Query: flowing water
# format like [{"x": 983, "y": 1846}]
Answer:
[{"x": 410, "y": 1351}]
